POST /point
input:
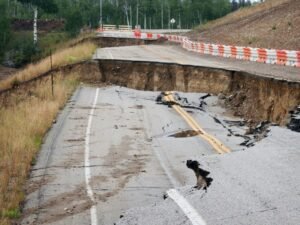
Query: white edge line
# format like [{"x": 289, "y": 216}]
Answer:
[
  {"x": 186, "y": 207},
  {"x": 183, "y": 204},
  {"x": 89, "y": 190}
]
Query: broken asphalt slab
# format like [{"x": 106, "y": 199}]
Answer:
[{"x": 258, "y": 186}]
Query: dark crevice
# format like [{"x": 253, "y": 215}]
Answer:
[
  {"x": 102, "y": 73},
  {"x": 202, "y": 179},
  {"x": 294, "y": 123},
  {"x": 186, "y": 133}
]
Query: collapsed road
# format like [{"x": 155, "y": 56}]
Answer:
[
  {"x": 118, "y": 156},
  {"x": 135, "y": 156}
]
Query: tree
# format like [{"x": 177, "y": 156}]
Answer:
[
  {"x": 74, "y": 22},
  {"x": 234, "y": 5},
  {"x": 48, "y": 6},
  {"x": 4, "y": 27}
]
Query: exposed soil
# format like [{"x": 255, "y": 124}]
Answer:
[
  {"x": 252, "y": 97},
  {"x": 186, "y": 133},
  {"x": 5, "y": 72},
  {"x": 43, "y": 25},
  {"x": 104, "y": 42},
  {"x": 124, "y": 164},
  {"x": 37, "y": 184},
  {"x": 60, "y": 206},
  {"x": 267, "y": 26},
  {"x": 254, "y": 132}
]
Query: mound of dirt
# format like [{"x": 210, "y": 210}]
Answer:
[
  {"x": 272, "y": 24},
  {"x": 43, "y": 25}
]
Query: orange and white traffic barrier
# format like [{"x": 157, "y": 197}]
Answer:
[
  {"x": 269, "y": 56},
  {"x": 281, "y": 57},
  {"x": 149, "y": 35},
  {"x": 262, "y": 55}
]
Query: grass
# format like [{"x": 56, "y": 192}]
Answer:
[
  {"x": 59, "y": 58},
  {"x": 52, "y": 40},
  {"x": 12, "y": 214},
  {"x": 241, "y": 13},
  {"x": 60, "y": 40},
  {"x": 25, "y": 117}
]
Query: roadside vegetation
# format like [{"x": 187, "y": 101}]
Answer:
[
  {"x": 25, "y": 117},
  {"x": 26, "y": 114},
  {"x": 62, "y": 57},
  {"x": 60, "y": 20}
]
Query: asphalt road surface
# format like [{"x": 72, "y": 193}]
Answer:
[
  {"x": 114, "y": 153},
  {"x": 175, "y": 54}
]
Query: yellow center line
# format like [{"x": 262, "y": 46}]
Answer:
[{"x": 214, "y": 142}]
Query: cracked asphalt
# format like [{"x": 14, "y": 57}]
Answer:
[
  {"x": 176, "y": 54},
  {"x": 138, "y": 150}
]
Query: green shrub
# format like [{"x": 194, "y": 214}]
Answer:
[{"x": 74, "y": 22}]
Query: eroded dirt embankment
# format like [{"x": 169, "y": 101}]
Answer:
[
  {"x": 253, "y": 97},
  {"x": 105, "y": 42}
]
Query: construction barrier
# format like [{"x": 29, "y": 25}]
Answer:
[
  {"x": 268, "y": 56},
  {"x": 125, "y": 28},
  {"x": 109, "y": 27}
]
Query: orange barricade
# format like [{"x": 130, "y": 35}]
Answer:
[
  {"x": 137, "y": 33},
  {"x": 221, "y": 50},
  {"x": 262, "y": 55},
  {"x": 211, "y": 49},
  {"x": 193, "y": 46},
  {"x": 298, "y": 59},
  {"x": 202, "y": 47},
  {"x": 233, "y": 51},
  {"x": 149, "y": 35},
  {"x": 199, "y": 47},
  {"x": 281, "y": 57},
  {"x": 247, "y": 53}
]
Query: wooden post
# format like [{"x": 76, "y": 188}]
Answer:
[{"x": 52, "y": 81}]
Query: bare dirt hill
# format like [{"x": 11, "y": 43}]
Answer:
[
  {"x": 272, "y": 24},
  {"x": 43, "y": 25}
]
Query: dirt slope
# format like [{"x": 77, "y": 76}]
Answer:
[
  {"x": 273, "y": 24},
  {"x": 43, "y": 25}
]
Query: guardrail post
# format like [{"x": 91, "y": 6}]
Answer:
[{"x": 52, "y": 79}]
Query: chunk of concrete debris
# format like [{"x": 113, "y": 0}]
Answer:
[
  {"x": 294, "y": 124},
  {"x": 203, "y": 181}
]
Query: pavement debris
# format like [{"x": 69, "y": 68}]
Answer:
[
  {"x": 203, "y": 181},
  {"x": 294, "y": 124},
  {"x": 186, "y": 133}
]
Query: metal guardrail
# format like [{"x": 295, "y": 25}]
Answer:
[
  {"x": 109, "y": 27},
  {"x": 125, "y": 28}
]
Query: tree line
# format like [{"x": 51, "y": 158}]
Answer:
[
  {"x": 146, "y": 13},
  {"x": 149, "y": 14}
]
